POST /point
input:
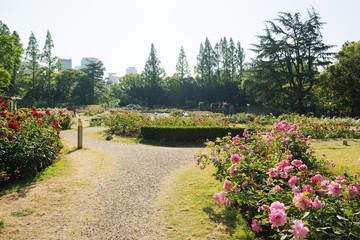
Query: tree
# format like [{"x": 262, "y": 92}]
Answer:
[
  {"x": 17, "y": 62},
  {"x": 289, "y": 55},
  {"x": 65, "y": 83},
  {"x": 182, "y": 66},
  {"x": 206, "y": 62},
  {"x": 49, "y": 60},
  {"x": 32, "y": 58},
  {"x": 341, "y": 81},
  {"x": 152, "y": 76},
  {"x": 93, "y": 85},
  {"x": 10, "y": 54}
]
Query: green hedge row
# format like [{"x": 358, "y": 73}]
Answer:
[{"x": 188, "y": 134}]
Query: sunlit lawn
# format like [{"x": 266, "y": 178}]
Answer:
[{"x": 345, "y": 157}]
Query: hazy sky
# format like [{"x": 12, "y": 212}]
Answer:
[{"x": 120, "y": 32}]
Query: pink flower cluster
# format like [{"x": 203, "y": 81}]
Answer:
[
  {"x": 277, "y": 214},
  {"x": 220, "y": 199}
]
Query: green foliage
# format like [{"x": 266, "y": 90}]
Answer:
[
  {"x": 279, "y": 177},
  {"x": 186, "y": 134},
  {"x": 337, "y": 79},
  {"x": 182, "y": 66},
  {"x": 10, "y": 55},
  {"x": 28, "y": 143},
  {"x": 288, "y": 80},
  {"x": 93, "y": 110}
]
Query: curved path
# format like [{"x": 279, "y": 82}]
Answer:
[{"x": 128, "y": 196}]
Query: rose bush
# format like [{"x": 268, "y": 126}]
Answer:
[
  {"x": 28, "y": 141},
  {"x": 281, "y": 188},
  {"x": 131, "y": 122}
]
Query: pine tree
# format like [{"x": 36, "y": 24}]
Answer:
[
  {"x": 47, "y": 58},
  {"x": 153, "y": 73},
  {"x": 182, "y": 66},
  {"x": 32, "y": 58}
]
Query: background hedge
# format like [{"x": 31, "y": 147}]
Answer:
[{"x": 188, "y": 134}]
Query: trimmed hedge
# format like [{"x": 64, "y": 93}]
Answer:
[{"x": 188, "y": 134}]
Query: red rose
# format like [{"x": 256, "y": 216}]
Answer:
[{"x": 10, "y": 138}]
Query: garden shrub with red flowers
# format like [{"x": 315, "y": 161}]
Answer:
[
  {"x": 281, "y": 188},
  {"x": 29, "y": 141},
  {"x": 131, "y": 122}
]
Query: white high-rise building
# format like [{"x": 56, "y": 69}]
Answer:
[
  {"x": 113, "y": 78},
  {"x": 86, "y": 60},
  {"x": 66, "y": 63},
  {"x": 131, "y": 70}
]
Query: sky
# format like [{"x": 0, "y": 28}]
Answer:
[{"x": 120, "y": 32}]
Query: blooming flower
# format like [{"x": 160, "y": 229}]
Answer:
[
  {"x": 227, "y": 202},
  {"x": 273, "y": 173},
  {"x": 296, "y": 163},
  {"x": 303, "y": 168},
  {"x": 10, "y": 138},
  {"x": 277, "y": 206},
  {"x": 235, "y": 158},
  {"x": 352, "y": 191},
  {"x": 335, "y": 189},
  {"x": 256, "y": 225},
  {"x": 201, "y": 166},
  {"x": 293, "y": 180},
  {"x": 219, "y": 197},
  {"x": 277, "y": 218},
  {"x": 277, "y": 188},
  {"x": 333, "y": 164},
  {"x": 299, "y": 229},
  {"x": 227, "y": 185},
  {"x": 307, "y": 188},
  {"x": 301, "y": 201},
  {"x": 317, "y": 204}
]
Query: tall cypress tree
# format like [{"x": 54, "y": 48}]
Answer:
[
  {"x": 32, "y": 58},
  {"x": 49, "y": 60},
  {"x": 182, "y": 66},
  {"x": 152, "y": 76}
]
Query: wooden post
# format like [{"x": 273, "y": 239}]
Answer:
[{"x": 80, "y": 134}]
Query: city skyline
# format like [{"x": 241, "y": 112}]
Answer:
[{"x": 120, "y": 33}]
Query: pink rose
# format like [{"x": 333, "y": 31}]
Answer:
[
  {"x": 201, "y": 166},
  {"x": 235, "y": 158},
  {"x": 352, "y": 191},
  {"x": 301, "y": 201},
  {"x": 219, "y": 198},
  {"x": 227, "y": 202},
  {"x": 273, "y": 173},
  {"x": 277, "y": 188},
  {"x": 277, "y": 206},
  {"x": 296, "y": 163},
  {"x": 303, "y": 168},
  {"x": 335, "y": 189},
  {"x": 232, "y": 169},
  {"x": 277, "y": 218},
  {"x": 317, "y": 204},
  {"x": 283, "y": 164},
  {"x": 227, "y": 185},
  {"x": 333, "y": 164},
  {"x": 293, "y": 180},
  {"x": 307, "y": 188},
  {"x": 317, "y": 178},
  {"x": 299, "y": 229},
  {"x": 296, "y": 190},
  {"x": 256, "y": 225}
]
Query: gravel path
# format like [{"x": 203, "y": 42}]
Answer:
[{"x": 128, "y": 196}]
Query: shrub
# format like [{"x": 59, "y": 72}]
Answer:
[
  {"x": 186, "y": 134},
  {"x": 28, "y": 142},
  {"x": 282, "y": 189},
  {"x": 92, "y": 110}
]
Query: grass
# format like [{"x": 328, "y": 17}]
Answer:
[
  {"x": 57, "y": 202},
  {"x": 345, "y": 157},
  {"x": 189, "y": 211}
]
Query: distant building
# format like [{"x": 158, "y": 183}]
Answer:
[
  {"x": 86, "y": 60},
  {"x": 113, "y": 78},
  {"x": 131, "y": 70},
  {"x": 66, "y": 63}
]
